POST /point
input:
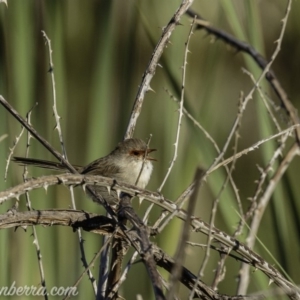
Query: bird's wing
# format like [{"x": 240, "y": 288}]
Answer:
[{"x": 101, "y": 167}]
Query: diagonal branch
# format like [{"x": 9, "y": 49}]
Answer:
[
  {"x": 258, "y": 58},
  {"x": 97, "y": 198},
  {"x": 150, "y": 71}
]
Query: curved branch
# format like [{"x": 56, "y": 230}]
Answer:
[{"x": 197, "y": 224}]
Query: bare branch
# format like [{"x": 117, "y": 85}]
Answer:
[
  {"x": 261, "y": 61},
  {"x": 57, "y": 117},
  {"x": 28, "y": 203},
  {"x": 198, "y": 225},
  {"x": 150, "y": 71},
  {"x": 180, "y": 108},
  {"x": 260, "y": 209},
  {"x": 103, "y": 225}
]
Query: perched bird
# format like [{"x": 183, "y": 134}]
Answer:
[{"x": 129, "y": 162}]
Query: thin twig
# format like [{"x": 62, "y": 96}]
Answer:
[
  {"x": 28, "y": 204},
  {"x": 254, "y": 88},
  {"x": 150, "y": 71},
  {"x": 11, "y": 151},
  {"x": 158, "y": 226},
  {"x": 210, "y": 138},
  {"x": 260, "y": 209},
  {"x": 188, "y": 191},
  {"x": 180, "y": 108},
  {"x": 277, "y": 126},
  {"x": 253, "y": 147},
  {"x": 81, "y": 247},
  {"x": 180, "y": 115},
  {"x": 90, "y": 265},
  {"x": 35, "y": 134},
  {"x": 60, "y": 135},
  {"x": 219, "y": 274},
  {"x": 264, "y": 172},
  {"x": 57, "y": 117},
  {"x": 264, "y": 175}
]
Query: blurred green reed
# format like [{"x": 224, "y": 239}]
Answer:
[{"x": 100, "y": 51}]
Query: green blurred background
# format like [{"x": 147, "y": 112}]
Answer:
[{"x": 100, "y": 51}]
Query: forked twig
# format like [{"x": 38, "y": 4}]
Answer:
[
  {"x": 260, "y": 209},
  {"x": 180, "y": 115},
  {"x": 257, "y": 57},
  {"x": 150, "y": 71},
  {"x": 220, "y": 270},
  {"x": 253, "y": 147}
]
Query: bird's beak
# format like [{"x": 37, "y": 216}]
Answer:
[{"x": 149, "y": 157}]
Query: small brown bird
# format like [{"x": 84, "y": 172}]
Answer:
[{"x": 124, "y": 163}]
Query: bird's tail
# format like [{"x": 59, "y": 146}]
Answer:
[{"x": 24, "y": 161}]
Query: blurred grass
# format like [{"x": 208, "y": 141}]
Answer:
[{"x": 100, "y": 51}]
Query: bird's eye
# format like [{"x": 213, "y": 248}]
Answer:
[{"x": 136, "y": 153}]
